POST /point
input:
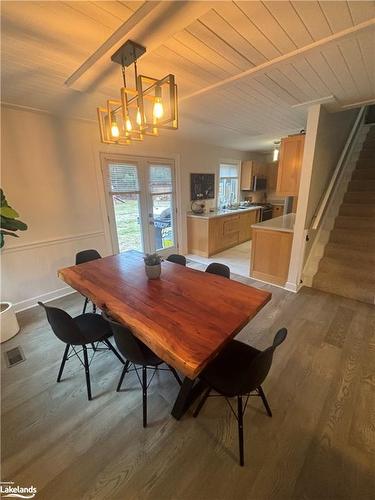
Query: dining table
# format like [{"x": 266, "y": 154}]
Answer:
[{"x": 186, "y": 316}]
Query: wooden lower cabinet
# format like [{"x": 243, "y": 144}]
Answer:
[
  {"x": 270, "y": 255},
  {"x": 209, "y": 236},
  {"x": 246, "y": 221},
  {"x": 277, "y": 210}
]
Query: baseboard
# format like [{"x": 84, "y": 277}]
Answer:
[
  {"x": 292, "y": 287},
  {"x": 45, "y": 297}
]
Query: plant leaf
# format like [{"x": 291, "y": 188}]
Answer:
[
  {"x": 8, "y": 212},
  {"x": 8, "y": 233},
  {"x": 12, "y": 224}
]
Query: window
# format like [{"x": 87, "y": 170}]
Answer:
[{"x": 229, "y": 183}]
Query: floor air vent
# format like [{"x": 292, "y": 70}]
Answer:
[{"x": 14, "y": 356}]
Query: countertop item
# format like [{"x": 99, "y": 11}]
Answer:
[
  {"x": 222, "y": 213},
  {"x": 284, "y": 223}
]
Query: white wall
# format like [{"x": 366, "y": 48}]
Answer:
[
  {"x": 332, "y": 133},
  {"x": 51, "y": 175},
  {"x": 326, "y": 135}
]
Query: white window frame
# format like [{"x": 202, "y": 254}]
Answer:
[{"x": 237, "y": 164}]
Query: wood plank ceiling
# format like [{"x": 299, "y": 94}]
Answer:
[{"x": 240, "y": 67}]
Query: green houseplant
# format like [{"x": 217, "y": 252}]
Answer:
[
  {"x": 9, "y": 224},
  {"x": 152, "y": 265}
]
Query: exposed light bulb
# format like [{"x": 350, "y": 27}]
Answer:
[
  {"x": 115, "y": 131},
  {"x": 128, "y": 125},
  {"x": 275, "y": 154},
  {"x": 158, "y": 110},
  {"x": 139, "y": 118}
]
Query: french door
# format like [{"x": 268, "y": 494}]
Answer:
[{"x": 141, "y": 203}]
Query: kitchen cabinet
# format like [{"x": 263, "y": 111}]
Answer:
[
  {"x": 247, "y": 172},
  {"x": 290, "y": 164},
  {"x": 271, "y": 175},
  {"x": 277, "y": 210},
  {"x": 208, "y": 235},
  {"x": 270, "y": 255},
  {"x": 249, "y": 168},
  {"x": 246, "y": 221}
]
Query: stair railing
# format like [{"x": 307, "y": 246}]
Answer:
[{"x": 337, "y": 174}]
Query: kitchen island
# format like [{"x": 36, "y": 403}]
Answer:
[
  {"x": 271, "y": 248},
  {"x": 213, "y": 232}
]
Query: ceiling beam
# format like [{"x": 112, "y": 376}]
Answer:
[
  {"x": 116, "y": 37},
  {"x": 150, "y": 25},
  {"x": 285, "y": 57}
]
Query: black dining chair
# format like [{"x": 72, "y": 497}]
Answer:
[
  {"x": 240, "y": 371},
  {"x": 220, "y": 269},
  {"x": 87, "y": 256},
  {"x": 81, "y": 331},
  {"x": 139, "y": 355},
  {"x": 177, "y": 259}
]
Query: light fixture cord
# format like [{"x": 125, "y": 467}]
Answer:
[{"x": 123, "y": 75}]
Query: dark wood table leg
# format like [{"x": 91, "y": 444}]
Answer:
[{"x": 189, "y": 391}]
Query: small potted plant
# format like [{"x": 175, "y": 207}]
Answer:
[{"x": 152, "y": 265}]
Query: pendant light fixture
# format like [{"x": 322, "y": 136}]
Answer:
[
  {"x": 143, "y": 110},
  {"x": 276, "y": 150}
]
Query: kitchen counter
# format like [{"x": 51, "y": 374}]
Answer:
[
  {"x": 211, "y": 233},
  {"x": 271, "y": 248},
  {"x": 222, "y": 213},
  {"x": 284, "y": 223}
]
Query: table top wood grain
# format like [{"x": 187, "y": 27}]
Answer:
[{"x": 186, "y": 317}]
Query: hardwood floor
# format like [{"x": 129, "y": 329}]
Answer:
[{"x": 320, "y": 443}]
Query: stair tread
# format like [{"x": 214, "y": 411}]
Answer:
[
  {"x": 350, "y": 252},
  {"x": 335, "y": 266}
]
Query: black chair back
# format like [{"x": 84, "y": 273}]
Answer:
[
  {"x": 177, "y": 259},
  {"x": 63, "y": 326},
  {"x": 220, "y": 269},
  {"x": 261, "y": 365},
  {"x": 87, "y": 255},
  {"x": 128, "y": 345}
]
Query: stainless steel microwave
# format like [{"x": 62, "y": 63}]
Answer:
[{"x": 259, "y": 183}]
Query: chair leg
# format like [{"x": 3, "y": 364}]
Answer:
[
  {"x": 93, "y": 308},
  {"x": 123, "y": 373},
  {"x": 175, "y": 374},
  {"x": 87, "y": 372},
  {"x": 111, "y": 348},
  {"x": 240, "y": 428},
  {"x": 201, "y": 402},
  {"x": 265, "y": 402},
  {"x": 144, "y": 395},
  {"x": 85, "y": 305},
  {"x": 65, "y": 357},
  {"x": 93, "y": 346}
]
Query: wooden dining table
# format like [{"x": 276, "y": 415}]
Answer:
[{"x": 186, "y": 316}]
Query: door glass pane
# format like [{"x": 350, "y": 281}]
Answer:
[
  {"x": 123, "y": 178},
  {"x": 160, "y": 179},
  {"x": 128, "y": 221},
  {"x": 163, "y": 221}
]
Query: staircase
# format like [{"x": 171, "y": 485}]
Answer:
[{"x": 348, "y": 265}]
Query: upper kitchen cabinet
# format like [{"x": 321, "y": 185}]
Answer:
[
  {"x": 290, "y": 163},
  {"x": 249, "y": 169},
  {"x": 247, "y": 172}
]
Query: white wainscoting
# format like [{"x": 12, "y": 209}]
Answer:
[{"x": 29, "y": 271}]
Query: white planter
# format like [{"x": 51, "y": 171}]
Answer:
[
  {"x": 153, "y": 272},
  {"x": 9, "y": 326}
]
